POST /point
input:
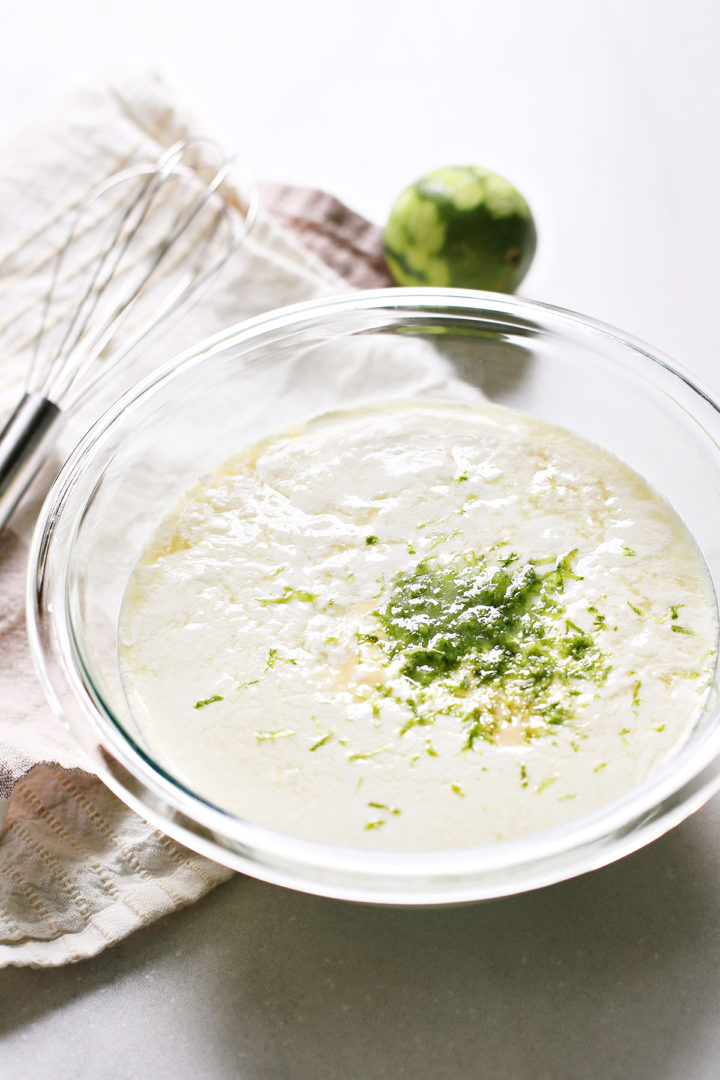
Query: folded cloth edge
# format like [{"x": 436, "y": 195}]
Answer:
[{"x": 319, "y": 231}]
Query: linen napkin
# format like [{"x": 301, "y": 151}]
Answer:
[{"x": 78, "y": 870}]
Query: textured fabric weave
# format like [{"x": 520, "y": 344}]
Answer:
[{"x": 78, "y": 870}]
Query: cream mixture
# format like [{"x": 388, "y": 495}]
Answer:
[{"x": 418, "y": 626}]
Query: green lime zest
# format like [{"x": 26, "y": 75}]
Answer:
[
  {"x": 384, "y": 806},
  {"x": 364, "y": 755},
  {"x": 464, "y": 625},
  {"x": 321, "y": 742},
  {"x": 289, "y": 595}
]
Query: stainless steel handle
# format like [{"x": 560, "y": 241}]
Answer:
[{"x": 25, "y": 443}]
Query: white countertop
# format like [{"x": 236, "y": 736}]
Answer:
[
  {"x": 606, "y": 117},
  {"x": 612, "y": 976}
]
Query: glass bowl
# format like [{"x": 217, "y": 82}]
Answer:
[{"x": 244, "y": 383}]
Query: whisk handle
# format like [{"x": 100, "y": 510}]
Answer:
[{"x": 25, "y": 442}]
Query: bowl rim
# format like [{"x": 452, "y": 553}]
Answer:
[{"x": 628, "y": 822}]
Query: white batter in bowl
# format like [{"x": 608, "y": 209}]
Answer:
[
  {"x": 418, "y": 627},
  {"x": 513, "y": 440}
]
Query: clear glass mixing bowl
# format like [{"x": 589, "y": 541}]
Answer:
[{"x": 246, "y": 382}]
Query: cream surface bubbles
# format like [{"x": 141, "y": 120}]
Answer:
[{"x": 418, "y": 626}]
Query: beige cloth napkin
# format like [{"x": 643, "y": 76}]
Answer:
[{"x": 78, "y": 870}]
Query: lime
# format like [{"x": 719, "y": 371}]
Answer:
[{"x": 460, "y": 226}]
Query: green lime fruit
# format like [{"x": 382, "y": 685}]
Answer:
[{"x": 461, "y": 226}]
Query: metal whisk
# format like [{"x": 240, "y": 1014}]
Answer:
[{"x": 158, "y": 234}]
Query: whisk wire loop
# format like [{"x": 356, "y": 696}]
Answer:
[
  {"x": 158, "y": 248},
  {"x": 93, "y": 326}
]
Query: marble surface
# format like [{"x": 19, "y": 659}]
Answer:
[{"x": 606, "y": 118}]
